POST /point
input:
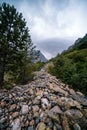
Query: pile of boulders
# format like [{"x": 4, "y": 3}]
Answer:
[{"x": 44, "y": 104}]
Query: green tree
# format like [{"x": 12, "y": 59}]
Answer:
[{"x": 15, "y": 41}]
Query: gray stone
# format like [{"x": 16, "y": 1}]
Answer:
[
  {"x": 24, "y": 109},
  {"x": 36, "y": 101},
  {"x": 30, "y": 128},
  {"x": 15, "y": 114},
  {"x": 56, "y": 109},
  {"x": 69, "y": 103},
  {"x": 72, "y": 92},
  {"x": 83, "y": 101},
  {"x": 76, "y": 127},
  {"x": 80, "y": 99},
  {"x": 1, "y": 112},
  {"x": 35, "y": 108},
  {"x": 58, "y": 89},
  {"x": 16, "y": 125},
  {"x": 74, "y": 114},
  {"x": 44, "y": 104},
  {"x": 59, "y": 127},
  {"x": 37, "y": 120},
  {"x": 50, "y": 124},
  {"x": 3, "y": 120},
  {"x": 12, "y": 107}
]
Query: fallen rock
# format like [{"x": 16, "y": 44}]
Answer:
[
  {"x": 45, "y": 101},
  {"x": 74, "y": 113},
  {"x": 56, "y": 110},
  {"x": 44, "y": 104},
  {"x": 41, "y": 126},
  {"x": 35, "y": 108},
  {"x": 12, "y": 107},
  {"x": 15, "y": 114},
  {"x": 76, "y": 127},
  {"x": 39, "y": 92},
  {"x": 24, "y": 109},
  {"x": 16, "y": 125}
]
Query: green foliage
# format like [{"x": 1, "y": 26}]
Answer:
[
  {"x": 7, "y": 85},
  {"x": 16, "y": 48},
  {"x": 22, "y": 74},
  {"x": 71, "y": 68},
  {"x": 38, "y": 65},
  {"x": 52, "y": 70}
]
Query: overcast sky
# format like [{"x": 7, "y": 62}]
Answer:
[{"x": 54, "y": 24}]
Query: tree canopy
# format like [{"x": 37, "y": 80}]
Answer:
[{"x": 16, "y": 47}]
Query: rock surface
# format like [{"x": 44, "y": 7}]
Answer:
[{"x": 44, "y": 104}]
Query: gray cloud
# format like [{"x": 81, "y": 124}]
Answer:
[
  {"x": 51, "y": 47},
  {"x": 54, "y": 23}
]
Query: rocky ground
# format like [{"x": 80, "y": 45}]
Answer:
[{"x": 44, "y": 104}]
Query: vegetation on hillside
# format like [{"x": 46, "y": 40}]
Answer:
[{"x": 71, "y": 66}]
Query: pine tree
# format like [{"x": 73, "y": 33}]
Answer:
[{"x": 15, "y": 41}]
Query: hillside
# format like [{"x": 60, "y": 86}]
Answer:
[
  {"x": 71, "y": 65},
  {"x": 44, "y": 104},
  {"x": 80, "y": 43}
]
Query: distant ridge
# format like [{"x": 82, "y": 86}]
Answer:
[
  {"x": 41, "y": 57},
  {"x": 80, "y": 43}
]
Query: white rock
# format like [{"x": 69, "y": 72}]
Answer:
[
  {"x": 24, "y": 109},
  {"x": 16, "y": 125},
  {"x": 45, "y": 101}
]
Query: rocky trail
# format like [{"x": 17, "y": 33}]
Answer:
[{"x": 44, "y": 104}]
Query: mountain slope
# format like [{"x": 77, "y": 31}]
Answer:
[
  {"x": 80, "y": 43},
  {"x": 42, "y": 58},
  {"x": 71, "y": 65}
]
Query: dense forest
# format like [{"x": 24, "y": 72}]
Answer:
[{"x": 71, "y": 65}]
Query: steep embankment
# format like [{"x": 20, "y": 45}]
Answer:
[{"x": 44, "y": 104}]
